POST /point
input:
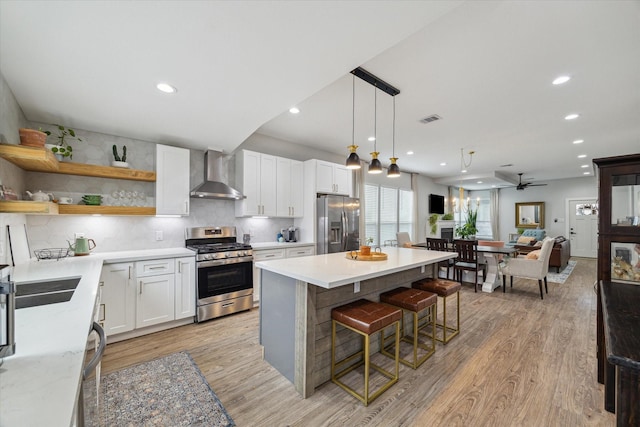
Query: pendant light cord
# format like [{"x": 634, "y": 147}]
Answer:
[
  {"x": 375, "y": 119},
  {"x": 353, "y": 110},
  {"x": 393, "y": 140}
]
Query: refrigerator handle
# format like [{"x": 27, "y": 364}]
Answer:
[{"x": 345, "y": 233}]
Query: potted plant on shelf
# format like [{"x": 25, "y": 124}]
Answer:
[
  {"x": 468, "y": 230},
  {"x": 62, "y": 149},
  {"x": 120, "y": 162},
  {"x": 32, "y": 137}
]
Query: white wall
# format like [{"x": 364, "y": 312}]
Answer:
[{"x": 554, "y": 195}]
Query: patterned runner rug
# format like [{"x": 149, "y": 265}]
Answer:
[
  {"x": 169, "y": 391},
  {"x": 563, "y": 275}
]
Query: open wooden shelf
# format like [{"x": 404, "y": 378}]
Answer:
[
  {"x": 42, "y": 160},
  {"x": 105, "y": 210},
  {"x": 29, "y": 207}
]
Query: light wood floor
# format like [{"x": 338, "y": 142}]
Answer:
[{"x": 519, "y": 361}]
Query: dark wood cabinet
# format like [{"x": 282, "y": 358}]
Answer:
[{"x": 619, "y": 266}]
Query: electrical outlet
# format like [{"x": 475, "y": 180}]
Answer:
[
  {"x": 78, "y": 235},
  {"x": 159, "y": 235}
]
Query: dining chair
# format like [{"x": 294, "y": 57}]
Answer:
[
  {"x": 530, "y": 268},
  {"x": 436, "y": 244},
  {"x": 404, "y": 240},
  {"x": 467, "y": 260}
]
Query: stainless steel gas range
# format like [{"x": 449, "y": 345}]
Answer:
[{"x": 224, "y": 271}]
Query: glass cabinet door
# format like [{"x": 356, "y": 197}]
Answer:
[{"x": 625, "y": 200}]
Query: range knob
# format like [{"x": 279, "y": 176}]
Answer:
[
  {"x": 208, "y": 256},
  {"x": 228, "y": 254}
]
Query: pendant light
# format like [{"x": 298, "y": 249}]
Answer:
[
  {"x": 394, "y": 170},
  {"x": 375, "y": 166},
  {"x": 353, "y": 161}
]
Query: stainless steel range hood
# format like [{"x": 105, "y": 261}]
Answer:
[{"x": 215, "y": 179}]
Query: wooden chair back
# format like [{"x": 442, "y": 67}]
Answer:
[
  {"x": 436, "y": 244},
  {"x": 467, "y": 250}
]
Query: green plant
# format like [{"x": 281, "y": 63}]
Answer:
[
  {"x": 433, "y": 222},
  {"x": 469, "y": 227},
  {"x": 64, "y": 136},
  {"x": 520, "y": 230},
  {"x": 447, "y": 217},
  {"x": 368, "y": 240},
  {"x": 124, "y": 153}
]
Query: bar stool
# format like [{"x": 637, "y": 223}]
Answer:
[
  {"x": 413, "y": 301},
  {"x": 443, "y": 288},
  {"x": 364, "y": 318}
]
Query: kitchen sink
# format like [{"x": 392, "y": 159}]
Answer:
[{"x": 43, "y": 292}]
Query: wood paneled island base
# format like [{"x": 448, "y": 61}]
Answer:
[{"x": 295, "y": 307}]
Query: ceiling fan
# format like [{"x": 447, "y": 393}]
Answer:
[{"x": 522, "y": 185}]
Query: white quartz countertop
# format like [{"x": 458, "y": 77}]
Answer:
[
  {"x": 39, "y": 384},
  {"x": 278, "y": 245},
  {"x": 333, "y": 270}
]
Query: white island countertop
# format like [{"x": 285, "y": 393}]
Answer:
[
  {"x": 333, "y": 270},
  {"x": 39, "y": 384}
]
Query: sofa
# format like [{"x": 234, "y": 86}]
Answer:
[
  {"x": 532, "y": 234},
  {"x": 560, "y": 253}
]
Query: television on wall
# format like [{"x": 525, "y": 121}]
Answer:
[{"x": 436, "y": 204}]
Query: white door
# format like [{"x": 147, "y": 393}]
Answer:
[
  {"x": 583, "y": 228},
  {"x": 172, "y": 180},
  {"x": 155, "y": 302},
  {"x": 118, "y": 298},
  {"x": 185, "y": 296}
]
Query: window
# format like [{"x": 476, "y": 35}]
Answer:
[
  {"x": 481, "y": 199},
  {"x": 387, "y": 211}
]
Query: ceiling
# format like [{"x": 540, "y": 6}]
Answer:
[{"x": 484, "y": 67}]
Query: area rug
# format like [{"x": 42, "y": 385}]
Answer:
[
  {"x": 563, "y": 275},
  {"x": 169, "y": 391}
]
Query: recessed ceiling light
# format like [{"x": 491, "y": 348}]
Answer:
[
  {"x": 561, "y": 79},
  {"x": 584, "y": 166},
  {"x": 463, "y": 171},
  {"x": 443, "y": 164},
  {"x": 166, "y": 88},
  {"x": 572, "y": 116},
  {"x": 294, "y": 110},
  {"x": 372, "y": 138},
  {"x": 582, "y": 156},
  {"x": 586, "y": 173},
  {"x": 409, "y": 153},
  {"x": 479, "y": 182},
  {"x": 578, "y": 141},
  {"x": 493, "y": 186}
]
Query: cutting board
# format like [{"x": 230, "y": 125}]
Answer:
[{"x": 19, "y": 244}]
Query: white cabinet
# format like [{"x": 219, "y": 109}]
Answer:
[
  {"x": 256, "y": 177},
  {"x": 155, "y": 300},
  {"x": 185, "y": 290},
  {"x": 289, "y": 181},
  {"x": 118, "y": 297},
  {"x": 277, "y": 253},
  {"x": 172, "y": 180},
  {"x": 332, "y": 178}
]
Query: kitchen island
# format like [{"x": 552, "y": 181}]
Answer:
[{"x": 297, "y": 296}]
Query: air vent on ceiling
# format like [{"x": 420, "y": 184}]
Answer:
[
  {"x": 431, "y": 118},
  {"x": 507, "y": 165}
]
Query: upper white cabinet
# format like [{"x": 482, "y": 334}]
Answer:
[
  {"x": 290, "y": 178},
  {"x": 332, "y": 178},
  {"x": 172, "y": 180},
  {"x": 256, "y": 177}
]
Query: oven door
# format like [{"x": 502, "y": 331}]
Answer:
[{"x": 219, "y": 278}]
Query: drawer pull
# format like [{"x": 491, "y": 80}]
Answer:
[
  {"x": 161, "y": 267},
  {"x": 269, "y": 256},
  {"x": 229, "y": 304}
]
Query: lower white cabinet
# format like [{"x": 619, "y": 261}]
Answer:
[
  {"x": 118, "y": 298},
  {"x": 185, "y": 291},
  {"x": 139, "y": 294},
  {"x": 277, "y": 253}
]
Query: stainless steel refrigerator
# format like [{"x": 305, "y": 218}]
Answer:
[{"x": 338, "y": 223}]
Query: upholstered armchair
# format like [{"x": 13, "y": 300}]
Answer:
[
  {"x": 404, "y": 240},
  {"x": 529, "y": 267},
  {"x": 528, "y": 234}
]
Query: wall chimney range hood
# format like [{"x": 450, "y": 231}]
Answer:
[{"x": 215, "y": 179}]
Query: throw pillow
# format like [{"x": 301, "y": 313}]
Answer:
[
  {"x": 538, "y": 244},
  {"x": 533, "y": 255},
  {"x": 525, "y": 240}
]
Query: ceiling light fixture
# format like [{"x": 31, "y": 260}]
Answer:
[
  {"x": 584, "y": 166},
  {"x": 353, "y": 161},
  {"x": 166, "y": 88},
  {"x": 578, "y": 141},
  {"x": 443, "y": 164},
  {"x": 586, "y": 173},
  {"x": 479, "y": 182},
  {"x": 582, "y": 156},
  {"x": 409, "y": 153},
  {"x": 394, "y": 170},
  {"x": 572, "y": 116},
  {"x": 561, "y": 79},
  {"x": 294, "y": 110},
  {"x": 375, "y": 166},
  {"x": 371, "y": 138}
]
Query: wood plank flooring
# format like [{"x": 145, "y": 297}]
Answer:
[{"x": 518, "y": 361}]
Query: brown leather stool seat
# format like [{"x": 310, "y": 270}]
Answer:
[
  {"x": 413, "y": 301},
  {"x": 443, "y": 288},
  {"x": 364, "y": 318}
]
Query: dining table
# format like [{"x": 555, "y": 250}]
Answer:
[{"x": 491, "y": 255}]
